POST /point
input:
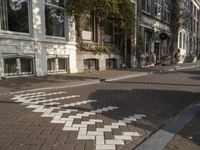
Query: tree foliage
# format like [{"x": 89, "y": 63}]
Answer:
[
  {"x": 178, "y": 16},
  {"x": 105, "y": 11}
]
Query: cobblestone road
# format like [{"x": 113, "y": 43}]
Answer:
[{"x": 110, "y": 115}]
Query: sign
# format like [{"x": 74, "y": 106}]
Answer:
[{"x": 163, "y": 36}]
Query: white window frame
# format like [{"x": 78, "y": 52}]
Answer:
[
  {"x": 18, "y": 67},
  {"x": 56, "y": 65},
  {"x": 29, "y": 21}
]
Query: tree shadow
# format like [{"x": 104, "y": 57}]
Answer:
[
  {"x": 159, "y": 106},
  {"x": 158, "y": 83}
]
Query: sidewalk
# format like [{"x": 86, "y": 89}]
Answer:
[
  {"x": 188, "y": 138},
  {"x": 18, "y": 85}
]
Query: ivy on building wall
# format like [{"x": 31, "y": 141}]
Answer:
[
  {"x": 99, "y": 49},
  {"x": 119, "y": 11}
]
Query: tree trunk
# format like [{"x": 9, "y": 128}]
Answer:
[
  {"x": 79, "y": 38},
  {"x": 100, "y": 32}
]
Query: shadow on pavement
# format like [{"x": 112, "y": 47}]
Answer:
[
  {"x": 155, "y": 83},
  {"x": 158, "y": 105}
]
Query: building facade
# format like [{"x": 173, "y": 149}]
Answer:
[
  {"x": 36, "y": 38},
  {"x": 88, "y": 60},
  {"x": 154, "y": 26},
  {"x": 188, "y": 35}
]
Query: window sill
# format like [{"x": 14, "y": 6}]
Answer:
[
  {"x": 56, "y": 39},
  {"x": 54, "y": 73},
  {"x": 17, "y": 76},
  {"x": 15, "y": 35},
  {"x": 89, "y": 42}
]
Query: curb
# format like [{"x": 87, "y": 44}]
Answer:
[
  {"x": 164, "y": 135},
  {"x": 128, "y": 76},
  {"x": 54, "y": 87},
  {"x": 95, "y": 81}
]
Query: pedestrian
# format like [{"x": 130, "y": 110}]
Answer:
[{"x": 177, "y": 56}]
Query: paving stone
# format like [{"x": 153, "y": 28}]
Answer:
[
  {"x": 89, "y": 145},
  {"x": 17, "y": 147},
  {"x": 159, "y": 97},
  {"x": 63, "y": 147},
  {"x": 34, "y": 147}
]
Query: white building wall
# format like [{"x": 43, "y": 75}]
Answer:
[
  {"x": 184, "y": 47},
  {"x": 37, "y": 44}
]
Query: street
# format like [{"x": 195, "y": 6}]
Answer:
[{"x": 108, "y": 115}]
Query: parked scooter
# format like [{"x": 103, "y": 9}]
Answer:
[{"x": 166, "y": 60}]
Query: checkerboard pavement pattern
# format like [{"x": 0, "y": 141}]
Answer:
[
  {"x": 57, "y": 111},
  {"x": 111, "y": 115}
]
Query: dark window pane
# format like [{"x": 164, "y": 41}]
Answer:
[
  {"x": 62, "y": 64},
  {"x": 10, "y": 66},
  {"x": 91, "y": 64},
  {"x": 51, "y": 65},
  {"x": 26, "y": 66},
  {"x": 54, "y": 18},
  {"x": 111, "y": 63},
  {"x": 88, "y": 23},
  {"x": 14, "y": 16}
]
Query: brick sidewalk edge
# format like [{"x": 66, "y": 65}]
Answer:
[{"x": 95, "y": 81}]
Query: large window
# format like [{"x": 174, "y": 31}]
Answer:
[
  {"x": 146, "y": 5},
  {"x": 14, "y": 15},
  {"x": 88, "y": 29},
  {"x": 108, "y": 29},
  {"x": 166, "y": 12},
  {"x": 18, "y": 66},
  {"x": 54, "y": 17},
  {"x": 91, "y": 64},
  {"x": 157, "y": 9},
  {"x": 56, "y": 65}
]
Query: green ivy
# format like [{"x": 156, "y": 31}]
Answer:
[{"x": 99, "y": 49}]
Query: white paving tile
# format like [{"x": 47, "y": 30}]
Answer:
[
  {"x": 38, "y": 102},
  {"x": 86, "y": 137},
  {"x": 122, "y": 137},
  {"x": 105, "y": 147},
  {"x": 100, "y": 140},
  {"x": 115, "y": 142}
]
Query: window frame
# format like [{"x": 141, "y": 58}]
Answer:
[
  {"x": 145, "y": 7},
  {"x": 64, "y": 37},
  {"x": 57, "y": 69},
  {"x": 18, "y": 68},
  {"x": 29, "y": 4},
  {"x": 94, "y": 30}
]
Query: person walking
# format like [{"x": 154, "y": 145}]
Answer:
[{"x": 177, "y": 56}]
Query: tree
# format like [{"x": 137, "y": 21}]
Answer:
[
  {"x": 78, "y": 9},
  {"x": 178, "y": 16},
  {"x": 118, "y": 11}
]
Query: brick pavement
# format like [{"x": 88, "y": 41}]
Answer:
[
  {"x": 110, "y": 115},
  {"x": 28, "y": 83}
]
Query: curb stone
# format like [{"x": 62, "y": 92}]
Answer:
[
  {"x": 95, "y": 81},
  {"x": 163, "y": 136}
]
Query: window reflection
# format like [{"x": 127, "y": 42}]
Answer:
[
  {"x": 14, "y": 15},
  {"x": 54, "y": 17}
]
